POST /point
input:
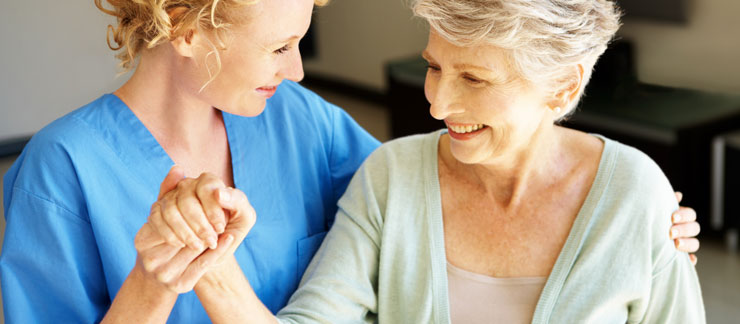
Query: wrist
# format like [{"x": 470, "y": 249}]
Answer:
[
  {"x": 147, "y": 282},
  {"x": 224, "y": 278}
]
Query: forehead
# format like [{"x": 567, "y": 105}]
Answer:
[
  {"x": 273, "y": 20},
  {"x": 486, "y": 56}
]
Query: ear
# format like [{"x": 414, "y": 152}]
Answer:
[
  {"x": 570, "y": 89},
  {"x": 185, "y": 44}
]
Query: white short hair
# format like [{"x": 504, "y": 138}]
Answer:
[{"x": 543, "y": 37}]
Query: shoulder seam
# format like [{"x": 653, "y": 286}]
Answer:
[{"x": 48, "y": 200}]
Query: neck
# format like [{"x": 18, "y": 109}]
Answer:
[
  {"x": 506, "y": 179},
  {"x": 167, "y": 106}
]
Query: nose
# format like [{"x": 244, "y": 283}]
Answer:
[
  {"x": 442, "y": 99},
  {"x": 292, "y": 68}
]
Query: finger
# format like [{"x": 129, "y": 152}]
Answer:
[
  {"x": 684, "y": 215},
  {"x": 162, "y": 228},
  {"x": 156, "y": 256},
  {"x": 687, "y": 245},
  {"x": 206, "y": 191},
  {"x": 147, "y": 237},
  {"x": 193, "y": 214},
  {"x": 176, "y": 222},
  {"x": 687, "y": 230},
  {"x": 241, "y": 212},
  {"x": 693, "y": 259},
  {"x": 170, "y": 181},
  {"x": 679, "y": 196},
  {"x": 169, "y": 272},
  {"x": 204, "y": 262}
]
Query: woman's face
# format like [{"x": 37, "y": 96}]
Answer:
[
  {"x": 261, "y": 52},
  {"x": 491, "y": 113}
]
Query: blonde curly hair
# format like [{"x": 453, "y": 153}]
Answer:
[
  {"x": 542, "y": 37},
  {"x": 147, "y": 23}
]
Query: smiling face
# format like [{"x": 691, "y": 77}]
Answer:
[
  {"x": 491, "y": 113},
  {"x": 261, "y": 52}
]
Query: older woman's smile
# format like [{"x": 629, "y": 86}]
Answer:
[{"x": 465, "y": 131}]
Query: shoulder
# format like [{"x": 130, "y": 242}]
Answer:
[
  {"x": 392, "y": 178},
  {"x": 48, "y": 165},
  {"x": 635, "y": 170},
  {"x": 75, "y": 127},
  {"x": 405, "y": 154},
  {"x": 397, "y": 165}
]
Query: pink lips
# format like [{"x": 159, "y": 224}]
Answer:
[{"x": 267, "y": 91}]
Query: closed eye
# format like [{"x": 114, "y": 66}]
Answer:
[
  {"x": 472, "y": 79},
  {"x": 282, "y": 49}
]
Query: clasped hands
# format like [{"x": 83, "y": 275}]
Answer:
[{"x": 195, "y": 224}]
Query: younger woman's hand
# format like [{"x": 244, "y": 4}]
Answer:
[
  {"x": 685, "y": 229},
  {"x": 195, "y": 212},
  {"x": 176, "y": 268}
]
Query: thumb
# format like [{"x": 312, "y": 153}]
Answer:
[
  {"x": 235, "y": 201},
  {"x": 171, "y": 180}
]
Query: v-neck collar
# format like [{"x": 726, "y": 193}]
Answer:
[
  {"x": 146, "y": 147},
  {"x": 568, "y": 253}
]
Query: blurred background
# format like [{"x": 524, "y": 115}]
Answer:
[{"x": 670, "y": 86}]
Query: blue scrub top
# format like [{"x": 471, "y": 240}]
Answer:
[{"x": 83, "y": 186}]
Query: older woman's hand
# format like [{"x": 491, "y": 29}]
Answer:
[
  {"x": 198, "y": 210},
  {"x": 685, "y": 229},
  {"x": 162, "y": 253}
]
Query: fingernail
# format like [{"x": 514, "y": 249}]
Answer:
[
  {"x": 676, "y": 217},
  {"x": 229, "y": 239},
  {"x": 674, "y": 233},
  {"x": 219, "y": 227},
  {"x": 212, "y": 242},
  {"x": 224, "y": 196},
  {"x": 679, "y": 243}
]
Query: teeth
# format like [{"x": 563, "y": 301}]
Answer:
[{"x": 465, "y": 129}]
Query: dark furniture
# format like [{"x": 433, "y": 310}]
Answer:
[{"x": 726, "y": 186}]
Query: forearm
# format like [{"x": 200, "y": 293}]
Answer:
[
  {"x": 228, "y": 297},
  {"x": 141, "y": 300}
]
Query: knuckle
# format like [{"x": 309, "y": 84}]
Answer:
[
  {"x": 148, "y": 263},
  {"x": 204, "y": 188},
  {"x": 200, "y": 264},
  {"x": 171, "y": 215},
  {"x": 163, "y": 277},
  {"x": 172, "y": 239},
  {"x": 214, "y": 214},
  {"x": 203, "y": 232}
]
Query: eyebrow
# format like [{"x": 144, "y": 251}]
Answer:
[
  {"x": 288, "y": 39},
  {"x": 459, "y": 66}
]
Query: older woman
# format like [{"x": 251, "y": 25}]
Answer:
[{"x": 504, "y": 217}]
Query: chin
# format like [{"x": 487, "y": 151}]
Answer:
[
  {"x": 250, "y": 109},
  {"x": 467, "y": 155}
]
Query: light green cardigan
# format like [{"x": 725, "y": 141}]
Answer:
[{"x": 384, "y": 258}]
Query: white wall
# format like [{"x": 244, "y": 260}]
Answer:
[
  {"x": 53, "y": 59},
  {"x": 356, "y": 37},
  {"x": 703, "y": 54}
]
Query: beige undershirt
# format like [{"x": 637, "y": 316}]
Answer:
[{"x": 477, "y": 298}]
